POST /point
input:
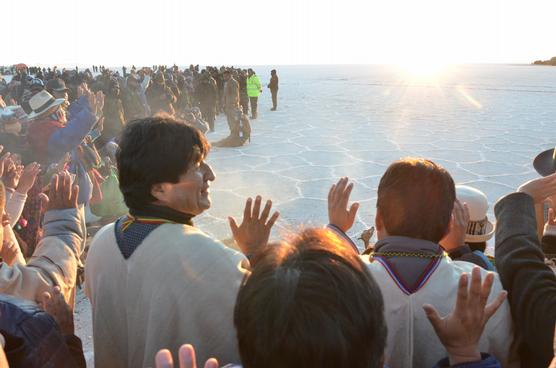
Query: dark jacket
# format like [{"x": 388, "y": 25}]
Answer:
[
  {"x": 33, "y": 339},
  {"x": 531, "y": 285}
]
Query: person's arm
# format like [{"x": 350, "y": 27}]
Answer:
[
  {"x": 17, "y": 199},
  {"x": 54, "y": 262},
  {"x": 530, "y": 283},
  {"x": 70, "y": 136}
]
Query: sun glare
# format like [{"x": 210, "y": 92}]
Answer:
[{"x": 423, "y": 70}]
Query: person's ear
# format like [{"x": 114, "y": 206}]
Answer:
[{"x": 160, "y": 191}]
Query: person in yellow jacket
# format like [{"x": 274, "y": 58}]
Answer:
[{"x": 254, "y": 89}]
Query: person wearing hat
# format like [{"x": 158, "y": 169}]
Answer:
[
  {"x": 10, "y": 132},
  {"x": 50, "y": 134},
  {"x": 159, "y": 96},
  {"x": 470, "y": 228},
  {"x": 57, "y": 88},
  {"x": 207, "y": 94}
]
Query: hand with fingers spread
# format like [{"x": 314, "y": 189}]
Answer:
[
  {"x": 187, "y": 358},
  {"x": 28, "y": 177},
  {"x": 461, "y": 330},
  {"x": 458, "y": 227},
  {"x": 253, "y": 233},
  {"x": 54, "y": 304},
  {"x": 338, "y": 213},
  {"x": 62, "y": 194},
  {"x": 540, "y": 189}
]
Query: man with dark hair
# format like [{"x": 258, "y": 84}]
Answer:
[
  {"x": 414, "y": 210},
  {"x": 142, "y": 269}
]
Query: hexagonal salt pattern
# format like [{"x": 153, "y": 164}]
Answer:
[{"x": 484, "y": 124}]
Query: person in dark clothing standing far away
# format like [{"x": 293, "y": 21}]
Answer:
[
  {"x": 254, "y": 89},
  {"x": 273, "y": 86}
]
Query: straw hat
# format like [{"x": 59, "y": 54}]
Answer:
[
  {"x": 40, "y": 103},
  {"x": 479, "y": 228}
]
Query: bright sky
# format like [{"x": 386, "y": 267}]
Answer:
[{"x": 262, "y": 32}]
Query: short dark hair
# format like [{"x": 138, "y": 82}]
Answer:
[
  {"x": 310, "y": 303},
  {"x": 416, "y": 198},
  {"x": 155, "y": 150}
]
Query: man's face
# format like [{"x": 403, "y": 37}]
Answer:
[
  {"x": 191, "y": 193},
  {"x": 227, "y": 76}
]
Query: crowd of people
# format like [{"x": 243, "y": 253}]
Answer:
[{"x": 424, "y": 295}]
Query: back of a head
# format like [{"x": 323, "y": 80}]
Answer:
[
  {"x": 310, "y": 303},
  {"x": 155, "y": 150},
  {"x": 416, "y": 199}
]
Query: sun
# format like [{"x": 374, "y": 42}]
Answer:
[{"x": 423, "y": 69}]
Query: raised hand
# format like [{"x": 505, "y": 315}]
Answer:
[
  {"x": 54, "y": 304},
  {"x": 187, "y": 358},
  {"x": 62, "y": 194},
  {"x": 9, "y": 252},
  {"x": 12, "y": 173},
  {"x": 28, "y": 177},
  {"x": 461, "y": 330},
  {"x": 458, "y": 227},
  {"x": 338, "y": 213},
  {"x": 253, "y": 233},
  {"x": 540, "y": 188}
]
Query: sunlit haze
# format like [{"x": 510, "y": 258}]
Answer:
[{"x": 254, "y": 32}]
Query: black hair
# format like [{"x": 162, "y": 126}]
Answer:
[
  {"x": 155, "y": 150},
  {"x": 311, "y": 303}
]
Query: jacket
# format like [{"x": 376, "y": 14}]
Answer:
[
  {"x": 33, "y": 338},
  {"x": 530, "y": 283},
  {"x": 254, "y": 88},
  {"x": 177, "y": 286},
  {"x": 49, "y": 140},
  {"x": 54, "y": 262},
  {"x": 409, "y": 282}
]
